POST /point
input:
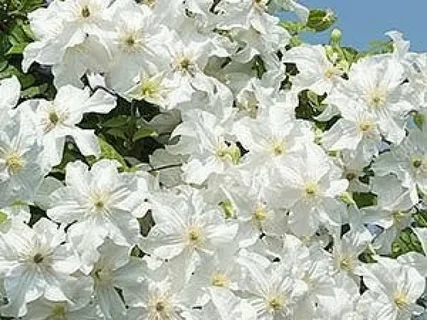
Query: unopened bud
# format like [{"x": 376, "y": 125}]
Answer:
[{"x": 336, "y": 36}]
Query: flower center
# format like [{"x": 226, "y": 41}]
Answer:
[
  {"x": 98, "y": 203},
  {"x": 185, "y": 65},
  {"x": 194, "y": 236},
  {"x": 228, "y": 152},
  {"x": 366, "y": 125},
  {"x": 377, "y": 98},
  {"x": 260, "y": 213},
  {"x": 219, "y": 280},
  {"x": 417, "y": 163},
  {"x": 311, "y": 189},
  {"x": 346, "y": 263},
  {"x": 149, "y": 3},
  {"x": 85, "y": 12},
  {"x": 260, "y": 4},
  {"x": 332, "y": 72},
  {"x": 275, "y": 303},
  {"x": 38, "y": 258},
  {"x": 350, "y": 176},
  {"x": 53, "y": 117},
  {"x": 102, "y": 274},
  {"x": 398, "y": 217},
  {"x": 131, "y": 42},
  {"x": 14, "y": 162},
  {"x": 59, "y": 312},
  {"x": 401, "y": 300},
  {"x": 160, "y": 308},
  {"x": 277, "y": 147},
  {"x": 149, "y": 89}
]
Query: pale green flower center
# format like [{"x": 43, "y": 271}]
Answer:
[
  {"x": 260, "y": 213},
  {"x": 14, "y": 162},
  {"x": 332, "y": 72},
  {"x": 98, "y": 202},
  {"x": 149, "y": 88},
  {"x": 400, "y": 300},
  {"x": 311, "y": 189},
  {"x": 366, "y": 125},
  {"x": 278, "y": 147},
  {"x": 219, "y": 280},
  {"x": 59, "y": 312},
  {"x": 275, "y": 303},
  {"x": 185, "y": 65},
  {"x": 149, "y": 3},
  {"x": 160, "y": 307},
  {"x": 228, "y": 153},
  {"x": 346, "y": 262},
  {"x": 131, "y": 42},
  {"x": 377, "y": 98},
  {"x": 102, "y": 274},
  {"x": 398, "y": 217},
  {"x": 194, "y": 236}
]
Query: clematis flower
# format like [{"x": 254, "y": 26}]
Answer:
[
  {"x": 55, "y": 120},
  {"x": 22, "y": 165},
  {"x": 35, "y": 263},
  {"x": 101, "y": 203},
  {"x": 308, "y": 187}
]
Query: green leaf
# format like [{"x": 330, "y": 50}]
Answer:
[
  {"x": 350, "y": 54},
  {"x": 17, "y": 48},
  {"x": 118, "y": 132},
  {"x": 119, "y": 121},
  {"x": 108, "y": 152},
  {"x": 419, "y": 120},
  {"x": 320, "y": 20},
  {"x": 364, "y": 199},
  {"x": 421, "y": 219},
  {"x": 405, "y": 242},
  {"x": 143, "y": 133},
  {"x": 294, "y": 27},
  {"x": 31, "y": 92}
]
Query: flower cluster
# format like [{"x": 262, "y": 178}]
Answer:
[{"x": 282, "y": 177}]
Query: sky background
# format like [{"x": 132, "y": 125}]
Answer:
[{"x": 362, "y": 21}]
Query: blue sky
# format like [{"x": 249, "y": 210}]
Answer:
[{"x": 364, "y": 20}]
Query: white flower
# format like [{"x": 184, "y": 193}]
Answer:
[
  {"x": 357, "y": 130},
  {"x": 273, "y": 292},
  {"x": 187, "y": 228},
  {"x": 10, "y": 90},
  {"x": 392, "y": 212},
  {"x": 78, "y": 307},
  {"x": 35, "y": 263},
  {"x": 138, "y": 43},
  {"x": 316, "y": 72},
  {"x": 115, "y": 270},
  {"x": 21, "y": 159},
  {"x": 205, "y": 139},
  {"x": 161, "y": 297},
  {"x": 393, "y": 290},
  {"x": 57, "y": 119},
  {"x": 308, "y": 187},
  {"x": 407, "y": 160},
  {"x": 101, "y": 203},
  {"x": 378, "y": 84}
]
